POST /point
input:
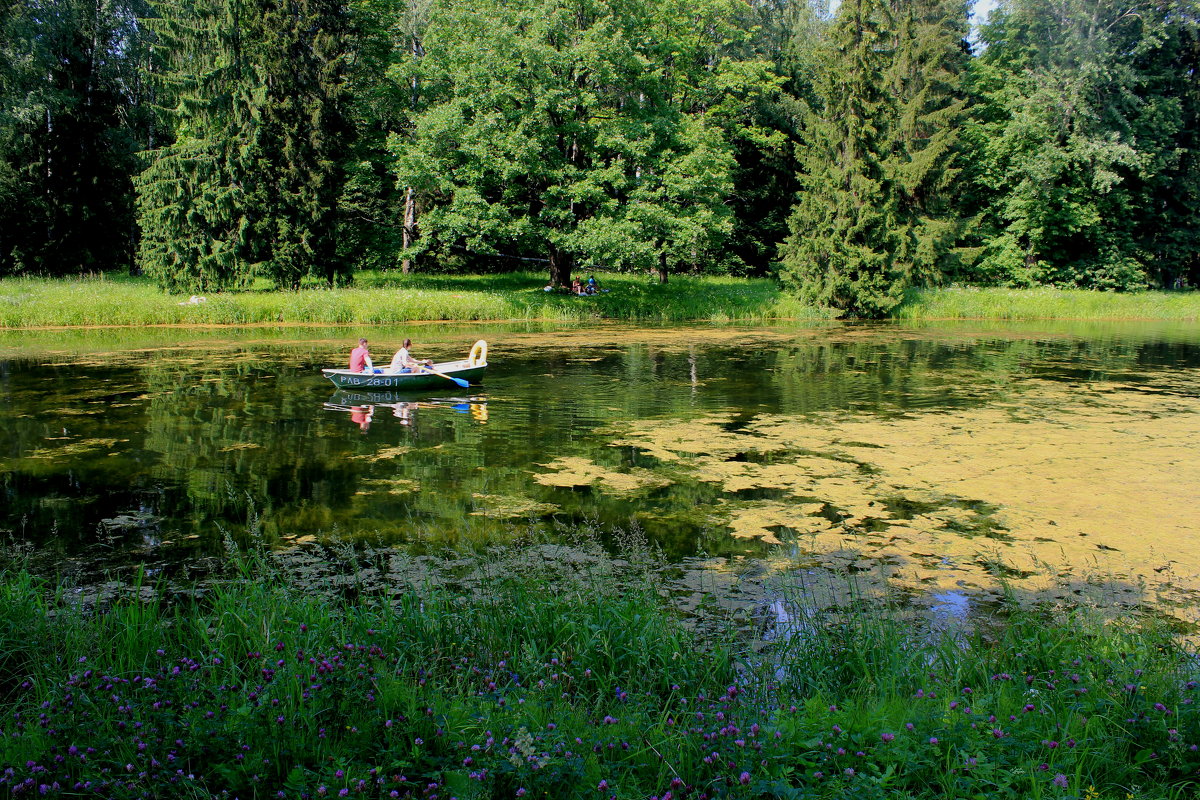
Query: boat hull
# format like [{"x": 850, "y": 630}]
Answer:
[{"x": 405, "y": 382}]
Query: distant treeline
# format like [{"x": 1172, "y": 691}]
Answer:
[{"x": 213, "y": 143}]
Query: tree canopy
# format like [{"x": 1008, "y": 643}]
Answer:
[{"x": 212, "y": 143}]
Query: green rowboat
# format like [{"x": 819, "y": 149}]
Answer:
[
  {"x": 385, "y": 381},
  {"x": 437, "y": 376}
]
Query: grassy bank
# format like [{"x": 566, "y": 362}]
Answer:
[
  {"x": 379, "y": 298},
  {"x": 1045, "y": 303},
  {"x": 383, "y": 298},
  {"x": 570, "y": 683}
]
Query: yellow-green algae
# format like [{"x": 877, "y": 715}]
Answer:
[
  {"x": 572, "y": 471},
  {"x": 1089, "y": 486},
  {"x": 396, "y": 486},
  {"x": 73, "y": 448},
  {"x": 510, "y": 507}
]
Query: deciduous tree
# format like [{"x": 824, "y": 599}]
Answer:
[{"x": 575, "y": 131}]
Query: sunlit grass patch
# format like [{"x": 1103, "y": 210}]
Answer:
[
  {"x": 392, "y": 297},
  {"x": 383, "y": 298},
  {"x": 968, "y": 302}
]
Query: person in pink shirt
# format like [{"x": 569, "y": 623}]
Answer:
[{"x": 360, "y": 358}]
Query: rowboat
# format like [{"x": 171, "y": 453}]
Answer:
[{"x": 438, "y": 376}]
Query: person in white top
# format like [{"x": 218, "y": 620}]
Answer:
[{"x": 403, "y": 362}]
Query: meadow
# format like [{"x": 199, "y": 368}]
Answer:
[
  {"x": 571, "y": 679},
  {"x": 972, "y": 302},
  {"x": 382, "y": 298},
  {"x": 379, "y": 298}
]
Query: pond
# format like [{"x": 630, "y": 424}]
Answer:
[{"x": 1054, "y": 460}]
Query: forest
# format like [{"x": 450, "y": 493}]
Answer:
[{"x": 855, "y": 153}]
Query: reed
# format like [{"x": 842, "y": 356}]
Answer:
[{"x": 570, "y": 680}]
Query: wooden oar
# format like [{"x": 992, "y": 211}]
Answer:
[{"x": 459, "y": 381}]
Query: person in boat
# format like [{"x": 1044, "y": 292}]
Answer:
[
  {"x": 404, "y": 362},
  {"x": 360, "y": 358}
]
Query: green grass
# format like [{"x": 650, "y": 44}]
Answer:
[
  {"x": 1045, "y": 303},
  {"x": 382, "y": 298},
  {"x": 571, "y": 680}
]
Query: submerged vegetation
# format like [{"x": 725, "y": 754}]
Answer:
[{"x": 577, "y": 679}]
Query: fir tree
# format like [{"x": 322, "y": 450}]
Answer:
[
  {"x": 249, "y": 185},
  {"x": 841, "y": 248},
  {"x": 192, "y": 197},
  {"x": 299, "y": 139},
  {"x": 878, "y": 157},
  {"x": 925, "y": 79},
  {"x": 71, "y": 124}
]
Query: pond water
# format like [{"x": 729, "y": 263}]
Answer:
[{"x": 1058, "y": 458}]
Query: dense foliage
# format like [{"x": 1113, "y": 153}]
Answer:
[
  {"x": 878, "y": 158},
  {"x": 74, "y": 112},
  {"x": 250, "y": 183},
  {"x": 854, "y": 154}
]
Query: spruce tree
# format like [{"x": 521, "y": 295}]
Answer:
[
  {"x": 249, "y": 186},
  {"x": 925, "y": 78},
  {"x": 192, "y": 197},
  {"x": 843, "y": 240},
  {"x": 71, "y": 124},
  {"x": 878, "y": 157},
  {"x": 299, "y": 139}
]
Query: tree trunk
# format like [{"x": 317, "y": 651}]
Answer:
[
  {"x": 662, "y": 266},
  {"x": 560, "y": 267},
  {"x": 410, "y": 214}
]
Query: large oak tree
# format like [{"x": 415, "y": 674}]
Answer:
[{"x": 578, "y": 132}]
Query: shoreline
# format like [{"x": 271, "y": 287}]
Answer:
[
  {"x": 389, "y": 299},
  {"x": 217, "y": 326}
]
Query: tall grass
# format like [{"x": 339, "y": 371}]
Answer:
[
  {"x": 570, "y": 681},
  {"x": 1046, "y": 303},
  {"x": 382, "y": 298},
  {"x": 388, "y": 297}
]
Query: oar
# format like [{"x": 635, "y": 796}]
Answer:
[{"x": 459, "y": 381}]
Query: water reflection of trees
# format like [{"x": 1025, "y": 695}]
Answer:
[{"x": 213, "y": 440}]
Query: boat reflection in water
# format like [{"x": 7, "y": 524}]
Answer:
[{"x": 365, "y": 407}]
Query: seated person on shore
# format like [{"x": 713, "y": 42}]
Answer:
[
  {"x": 360, "y": 358},
  {"x": 591, "y": 287},
  {"x": 576, "y": 287},
  {"x": 403, "y": 362}
]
